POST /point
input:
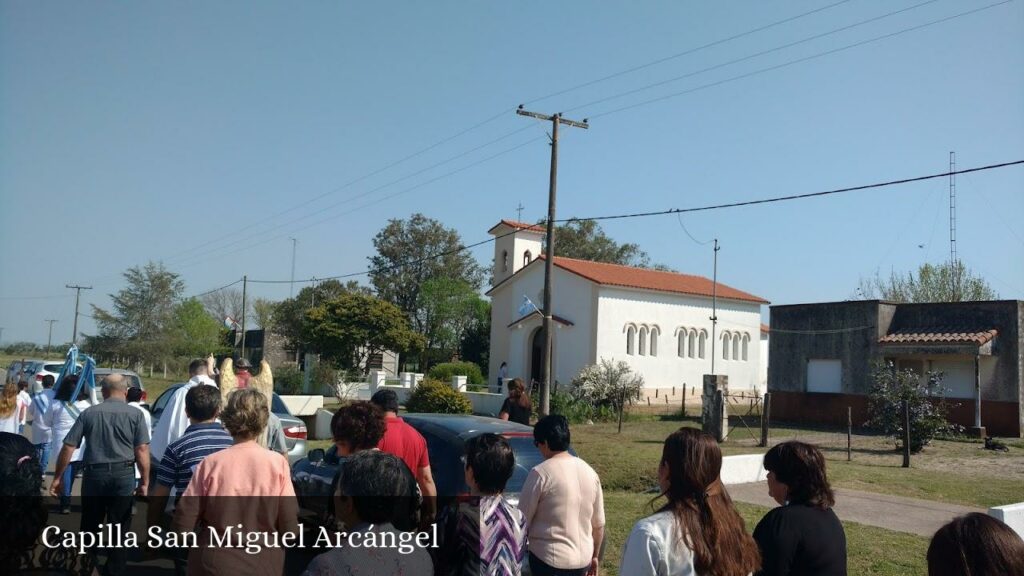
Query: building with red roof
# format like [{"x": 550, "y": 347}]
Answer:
[{"x": 657, "y": 321}]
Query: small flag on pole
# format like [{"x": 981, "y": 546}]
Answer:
[
  {"x": 230, "y": 323},
  {"x": 527, "y": 306}
]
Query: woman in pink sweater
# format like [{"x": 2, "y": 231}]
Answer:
[{"x": 245, "y": 484}]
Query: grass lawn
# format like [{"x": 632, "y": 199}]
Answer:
[
  {"x": 870, "y": 550},
  {"x": 949, "y": 471}
]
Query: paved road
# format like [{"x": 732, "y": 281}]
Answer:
[{"x": 921, "y": 517}]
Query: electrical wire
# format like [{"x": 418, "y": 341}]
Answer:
[
  {"x": 698, "y": 242},
  {"x": 794, "y": 62},
  {"x": 672, "y": 211},
  {"x": 683, "y": 53},
  {"x": 750, "y": 56}
]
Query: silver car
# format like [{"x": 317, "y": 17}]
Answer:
[
  {"x": 294, "y": 429},
  {"x": 134, "y": 380}
]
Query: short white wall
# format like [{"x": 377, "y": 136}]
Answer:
[
  {"x": 743, "y": 469},
  {"x": 485, "y": 403},
  {"x": 303, "y": 405},
  {"x": 1012, "y": 515}
]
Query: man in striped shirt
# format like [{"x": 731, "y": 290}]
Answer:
[{"x": 203, "y": 437}]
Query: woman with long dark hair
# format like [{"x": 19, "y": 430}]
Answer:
[
  {"x": 517, "y": 406},
  {"x": 803, "y": 535},
  {"x": 699, "y": 530}
]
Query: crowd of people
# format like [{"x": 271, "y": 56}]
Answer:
[{"x": 215, "y": 466}]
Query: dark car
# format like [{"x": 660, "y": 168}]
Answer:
[
  {"x": 446, "y": 435},
  {"x": 294, "y": 428}
]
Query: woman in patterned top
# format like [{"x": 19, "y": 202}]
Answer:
[{"x": 488, "y": 535}]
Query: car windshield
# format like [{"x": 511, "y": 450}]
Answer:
[
  {"x": 527, "y": 456},
  {"x": 53, "y": 368},
  {"x": 277, "y": 406},
  {"x": 162, "y": 401}
]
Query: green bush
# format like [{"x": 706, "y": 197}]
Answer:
[
  {"x": 926, "y": 399},
  {"x": 287, "y": 380},
  {"x": 446, "y": 370},
  {"x": 437, "y": 397}
]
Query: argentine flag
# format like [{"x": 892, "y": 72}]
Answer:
[{"x": 527, "y": 306}]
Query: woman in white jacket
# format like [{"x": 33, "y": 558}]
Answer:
[
  {"x": 698, "y": 532},
  {"x": 60, "y": 418}
]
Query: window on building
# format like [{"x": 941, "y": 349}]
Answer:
[
  {"x": 504, "y": 261},
  {"x": 726, "y": 343},
  {"x": 681, "y": 343},
  {"x": 735, "y": 346},
  {"x": 693, "y": 340},
  {"x": 654, "y": 340},
  {"x": 825, "y": 376},
  {"x": 746, "y": 346},
  {"x": 703, "y": 343},
  {"x": 630, "y": 337},
  {"x": 643, "y": 341},
  {"x": 527, "y": 257}
]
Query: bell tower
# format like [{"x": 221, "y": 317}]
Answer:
[{"x": 516, "y": 244}]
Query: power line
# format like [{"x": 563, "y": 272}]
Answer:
[
  {"x": 803, "y": 196},
  {"x": 54, "y": 297},
  {"x": 364, "y": 194},
  {"x": 752, "y": 56},
  {"x": 794, "y": 62},
  {"x": 698, "y": 242},
  {"x": 670, "y": 211},
  {"x": 684, "y": 53},
  {"x": 383, "y": 198}
]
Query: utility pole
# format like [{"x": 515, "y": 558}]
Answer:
[
  {"x": 954, "y": 272},
  {"x": 78, "y": 294},
  {"x": 49, "y": 337},
  {"x": 291, "y": 285},
  {"x": 245, "y": 284},
  {"x": 714, "y": 307},
  {"x": 549, "y": 257}
]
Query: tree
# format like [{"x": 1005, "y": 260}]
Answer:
[
  {"x": 608, "y": 383},
  {"x": 197, "y": 334},
  {"x": 351, "y": 328},
  {"x": 586, "y": 240},
  {"x": 476, "y": 340},
  {"x": 263, "y": 313},
  {"x": 142, "y": 317},
  {"x": 223, "y": 304},
  {"x": 933, "y": 283},
  {"x": 926, "y": 401},
  {"x": 412, "y": 252},
  {"x": 288, "y": 316},
  {"x": 446, "y": 310}
]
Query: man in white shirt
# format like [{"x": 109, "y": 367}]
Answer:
[
  {"x": 41, "y": 433},
  {"x": 173, "y": 420}
]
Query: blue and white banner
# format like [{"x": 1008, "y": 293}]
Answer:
[{"x": 527, "y": 306}]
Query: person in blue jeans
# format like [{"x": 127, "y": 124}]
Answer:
[
  {"x": 41, "y": 433},
  {"x": 117, "y": 438}
]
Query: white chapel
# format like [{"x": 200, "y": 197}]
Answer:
[{"x": 658, "y": 322}]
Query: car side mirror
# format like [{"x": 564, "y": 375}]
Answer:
[{"x": 315, "y": 455}]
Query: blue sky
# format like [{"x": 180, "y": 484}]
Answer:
[{"x": 206, "y": 134}]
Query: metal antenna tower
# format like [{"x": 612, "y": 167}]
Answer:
[{"x": 952, "y": 209}]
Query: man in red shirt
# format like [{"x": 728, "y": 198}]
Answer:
[{"x": 405, "y": 442}]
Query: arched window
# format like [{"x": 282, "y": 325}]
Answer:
[
  {"x": 504, "y": 261},
  {"x": 681, "y": 343},
  {"x": 527, "y": 257},
  {"x": 630, "y": 336},
  {"x": 692, "y": 348},
  {"x": 643, "y": 341},
  {"x": 746, "y": 346},
  {"x": 703, "y": 343},
  {"x": 655, "y": 332},
  {"x": 726, "y": 342},
  {"x": 735, "y": 346}
]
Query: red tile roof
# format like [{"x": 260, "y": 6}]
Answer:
[
  {"x": 629, "y": 277},
  {"x": 519, "y": 226},
  {"x": 940, "y": 336}
]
